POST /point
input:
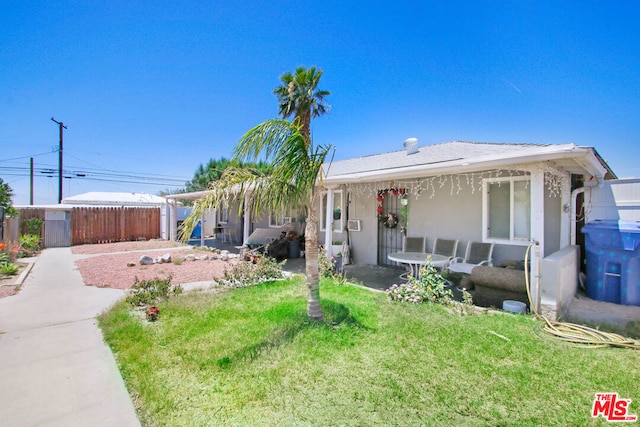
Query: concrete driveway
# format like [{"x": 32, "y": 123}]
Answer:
[{"x": 55, "y": 369}]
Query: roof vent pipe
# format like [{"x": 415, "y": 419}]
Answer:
[{"x": 411, "y": 145}]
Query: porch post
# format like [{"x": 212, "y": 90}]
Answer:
[
  {"x": 246, "y": 229},
  {"x": 565, "y": 213},
  {"x": 537, "y": 232},
  {"x": 328, "y": 222},
  {"x": 173, "y": 222}
]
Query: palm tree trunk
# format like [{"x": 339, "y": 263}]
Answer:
[{"x": 314, "y": 309}]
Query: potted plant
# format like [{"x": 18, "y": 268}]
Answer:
[{"x": 336, "y": 213}]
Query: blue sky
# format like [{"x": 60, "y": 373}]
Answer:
[{"x": 154, "y": 89}]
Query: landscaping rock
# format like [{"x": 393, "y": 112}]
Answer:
[
  {"x": 202, "y": 258},
  {"x": 131, "y": 264},
  {"x": 190, "y": 257},
  {"x": 166, "y": 258},
  {"x": 146, "y": 260}
]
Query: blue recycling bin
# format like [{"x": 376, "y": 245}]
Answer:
[
  {"x": 613, "y": 261},
  {"x": 197, "y": 231}
]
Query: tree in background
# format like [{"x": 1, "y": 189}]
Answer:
[
  {"x": 295, "y": 169},
  {"x": 6, "y": 196},
  {"x": 214, "y": 169}
]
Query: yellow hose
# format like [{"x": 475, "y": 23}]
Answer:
[{"x": 579, "y": 335}]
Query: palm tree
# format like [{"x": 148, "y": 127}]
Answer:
[
  {"x": 296, "y": 168},
  {"x": 299, "y": 96}
]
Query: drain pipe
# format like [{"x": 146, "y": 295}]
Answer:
[{"x": 535, "y": 296}]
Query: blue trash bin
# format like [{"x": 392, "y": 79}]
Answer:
[
  {"x": 197, "y": 231},
  {"x": 613, "y": 261}
]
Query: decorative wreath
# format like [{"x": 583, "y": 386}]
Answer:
[
  {"x": 381, "y": 195},
  {"x": 390, "y": 220}
]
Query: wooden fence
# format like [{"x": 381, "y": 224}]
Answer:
[{"x": 107, "y": 225}]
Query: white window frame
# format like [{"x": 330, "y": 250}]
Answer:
[
  {"x": 512, "y": 239},
  {"x": 285, "y": 216},
  {"x": 338, "y": 201}
]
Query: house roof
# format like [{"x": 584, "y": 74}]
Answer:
[
  {"x": 462, "y": 156},
  {"x": 113, "y": 198}
]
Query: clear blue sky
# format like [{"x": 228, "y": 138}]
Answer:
[{"x": 155, "y": 88}]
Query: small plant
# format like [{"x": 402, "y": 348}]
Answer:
[
  {"x": 430, "y": 287},
  {"x": 152, "y": 313},
  {"x": 34, "y": 226},
  {"x": 259, "y": 268},
  {"x": 30, "y": 243},
  {"x": 177, "y": 261},
  {"x": 10, "y": 251},
  {"x": 8, "y": 269},
  {"x": 148, "y": 292}
]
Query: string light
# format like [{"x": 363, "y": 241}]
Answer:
[{"x": 457, "y": 183}]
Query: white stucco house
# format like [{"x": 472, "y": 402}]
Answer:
[{"x": 512, "y": 195}]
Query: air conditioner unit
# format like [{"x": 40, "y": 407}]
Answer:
[{"x": 353, "y": 225}]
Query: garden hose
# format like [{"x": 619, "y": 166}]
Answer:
[{"x": 578, "y": 335}]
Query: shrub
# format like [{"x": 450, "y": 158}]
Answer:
[
  {"x": 10, "y": 251},
  {"x": 30, "y": 243},
  {"x": 260, "y": 268},
  {"x": 149, "y": 292},
  {"x": 34, "y": 226},
  {"x": 430, "y": 287}
]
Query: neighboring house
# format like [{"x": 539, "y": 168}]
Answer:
[{"x": 513, "y": 195}]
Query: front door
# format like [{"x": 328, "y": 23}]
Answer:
[{"x": 389, "y": 235}]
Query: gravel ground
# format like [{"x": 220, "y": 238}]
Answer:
[{"x": 110, "y": 269}]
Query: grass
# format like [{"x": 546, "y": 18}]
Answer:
[{"x": 250, "y": 356}]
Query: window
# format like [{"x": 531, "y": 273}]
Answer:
[
  {"x": 286, "y": 216},
  {"x": 507, "y": 210},
  {"x": 223, "y": 213},
  {"x": 337, "y": 212}
]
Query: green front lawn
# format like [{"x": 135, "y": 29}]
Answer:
[{"x": 251, "y": 357}]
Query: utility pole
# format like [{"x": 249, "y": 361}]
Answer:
[
  {"x": 31, "y": 186},
  {"x": 61, "y": 126}
]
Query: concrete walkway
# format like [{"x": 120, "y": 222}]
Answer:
[{"x": 55, "y": 369}]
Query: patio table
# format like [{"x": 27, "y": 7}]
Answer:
[{"x": 415, "y": 260}]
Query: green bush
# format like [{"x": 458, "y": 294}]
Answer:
[
  {"x": 430, "y": 287},
  {"x": 34, "y": 226},
  {"x": 259, "y": 268},
  {"x": 149, "y": 292},
  {"x": 30, "y": 242}
]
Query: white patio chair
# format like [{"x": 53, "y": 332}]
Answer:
[{"x": 476, "y": 254}]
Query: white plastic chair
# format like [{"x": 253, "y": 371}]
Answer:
[{"x": 476, "y": 254}]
